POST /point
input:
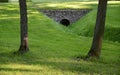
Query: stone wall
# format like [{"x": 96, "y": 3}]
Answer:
[{"x": 71, "y": 15}]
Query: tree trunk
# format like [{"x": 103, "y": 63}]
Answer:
[
  {"x": 23, "y": 26},
  {"x": 95, "y": 50}
]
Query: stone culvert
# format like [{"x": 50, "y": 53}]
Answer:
[{"x": 65, "y": 17}]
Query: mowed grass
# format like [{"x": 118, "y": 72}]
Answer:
[
  {"x": 53, "y": 48},
  {"x": 85, "y": 26},
  {"x": 61, "y": 0},
  {"x": 66, "y": 5}
]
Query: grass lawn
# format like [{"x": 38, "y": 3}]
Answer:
[
  {"x": 112, "y": 28},
  {"x": 61, "y": 0},
  {"x": 53, "y": 47}
]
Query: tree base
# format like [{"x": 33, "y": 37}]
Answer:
[
  {"x": 22, "y": 50},
  {"x": 93, "y": 54}
]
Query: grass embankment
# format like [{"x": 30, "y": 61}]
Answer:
[
  {"x": 66, "y": 5},
  {"x": 85, "y": 26},
  {"x": 53, "y": 48}
]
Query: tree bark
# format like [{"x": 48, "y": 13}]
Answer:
[
  {"x": 23, "y": 27},
  {"x": 96, "y": 46}
]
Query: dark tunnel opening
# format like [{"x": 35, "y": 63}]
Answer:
[{"x": 65, "y": 22}]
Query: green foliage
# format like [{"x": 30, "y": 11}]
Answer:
[{"x": 53, "y": 47}]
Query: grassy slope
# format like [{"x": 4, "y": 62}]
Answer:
[
  {"x": 53, "y": 48},
  {"x": 60, "y": 0},
  {"x": 112, "y": 30},
  {"x": 66, "y": 5}
]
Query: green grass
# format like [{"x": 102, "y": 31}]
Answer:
[
  {"x": 53, "y": 48},
  {"x": 61, "y": 0},
  {"x": 66, "y": 5},
  {"x": 112, "y": 28}
]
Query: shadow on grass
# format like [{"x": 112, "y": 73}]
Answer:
[
  {"x": 81, "y": 66},
  {"x": 112, "y": 33},
  {"x": 18, "y": 69},
  {"x": 84, "y": 67}
]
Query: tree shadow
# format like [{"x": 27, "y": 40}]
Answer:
[
  {"x": 79, "y": 67},
  {"x": 74, "y": 65},
  {"x": 18, "y": 69}
]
